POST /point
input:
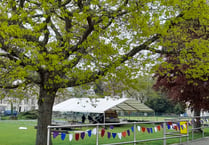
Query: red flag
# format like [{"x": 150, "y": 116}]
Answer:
[
  {"x": 158, "y": 127},
  {"x": 124, "y": 134},
  {"x": 143, "y": 129},
  {"x": 102, "y": 132},
  {"x": 77, "y": 136},
  {"x": 175, "y": 127}
]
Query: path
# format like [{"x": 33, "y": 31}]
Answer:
[{"x": 203, "y": 141}]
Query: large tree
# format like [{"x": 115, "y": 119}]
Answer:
[{"x": 64, "y": 43}]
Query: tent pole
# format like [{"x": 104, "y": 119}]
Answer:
[{"x": 104, "y": 118}]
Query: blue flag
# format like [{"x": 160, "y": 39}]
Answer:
[
  {"x": 89, "y": 133},
  {"x": 63, "y": 136},
  {"x": 114, "y": 135}
]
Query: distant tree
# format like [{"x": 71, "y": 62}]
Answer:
[{"x": 164, "y": 105}]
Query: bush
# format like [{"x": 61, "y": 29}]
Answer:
[{"x": 28, "y": 115}]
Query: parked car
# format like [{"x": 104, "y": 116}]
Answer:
[{"x": 9, "y": 112}]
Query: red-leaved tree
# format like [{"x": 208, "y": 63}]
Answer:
[{"x": 182, "y": 88}]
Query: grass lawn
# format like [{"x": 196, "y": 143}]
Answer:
[{"x": 10, "y": 134}]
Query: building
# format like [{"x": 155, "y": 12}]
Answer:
[{"x": 19, "y": 105}]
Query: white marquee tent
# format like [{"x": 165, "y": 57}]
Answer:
[{"x": 100, "y": 105}]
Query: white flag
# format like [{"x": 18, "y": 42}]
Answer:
[
  {"x": 139, "y": 128},
  {"x": 94, "y": 131},
  {"x": 70, "y": 137},
  {"x": 119, "y": 135},
  {"x": 155, "y": 129}
]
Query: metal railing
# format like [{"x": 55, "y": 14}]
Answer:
[{"x": 164, "y": 124}]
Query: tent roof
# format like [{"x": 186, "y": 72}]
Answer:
[{"x": 100, "y": 105}]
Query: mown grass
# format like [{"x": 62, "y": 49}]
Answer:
[{"x": 10, "y": 134}]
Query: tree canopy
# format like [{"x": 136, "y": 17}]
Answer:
[{"x": 57, "y": 44}]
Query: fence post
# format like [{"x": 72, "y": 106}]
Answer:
[
  {"x": 134, "y": 133},
  {"x": 188, "y": 131},
  {"x": 164, "y": 133},
  {"x": 48, "y": 135},
  {"x": 192, "y": 129},
  {"x": 97, "y": 134},
  {"x": 203, "y": 127}
]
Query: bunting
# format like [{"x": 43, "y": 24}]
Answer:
[
  {"x": 148, "y": 130},
  {"x": 55, "y": 134},
  {"x": 94, "y": 131},
  {"x": 108, "y": 134},
  {"x": 63, "y": 136},
  {"x": 114, "y": 135},
  {"x": 132, "y": 129},
  {"x": 139, "y": 128},
  {"x": 102, "y": 132},
  {"x": 111, "y": 127},
  {"x": 151, "y": 130},
  {"x": 89, "y": 133},
  {"x": 143, "y": 129},
  {"x": 119, "y": 135},
  {"x": 82, "y": 135},
  {"x": 124, "y": 133},
  {"x": 128, "y": 132},
  {"x": 158, "y": 127},
  {"x": 70, "y": 137},
  {"x": 77, "y": 135}
]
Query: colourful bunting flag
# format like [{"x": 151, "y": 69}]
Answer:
[
  {"x": 114, "y": 135},
  {"x": 155, "y": 128},
  {"x": 70, "y": 137},
  {"x": 148, "y": 130},
  {"x": 143, "y": 129},
  {"x": 77, "y": 135},
  {"x": 139, "y": 128},
  {"x": 102, "y": 132},
  {"x": 128, "y": 132},
  {"x": 169, "y": 127},
  {"x": 119, "y": 135},
  {"x": 175, "y": 127},
  {"x": 89, "y": 133},
  {"x": 111, "y": 127},
  {"x": 151, "y": 130},
  {"x": 55, "y": 134},
  {"x": 63, "y": 136},
  {"x": 182, "y": 127},
  {"x": 178, "y": 124},
  {"x": 82, "y": 135},
  {"x": 132, "y": 129},
  {"x": 94, "y": 131},
  {"x": 162, "y": 125},
  {"x": 108, "y": 135},
  {"x": 124, "y": 134},
  {"x": 158, "y": 127}
]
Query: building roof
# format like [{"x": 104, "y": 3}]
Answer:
[{"x": 100, "y": 105}]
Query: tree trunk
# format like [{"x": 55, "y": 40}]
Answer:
[
  {"x": 197, "y": 123},
  {"x": 45, "y": 104}
]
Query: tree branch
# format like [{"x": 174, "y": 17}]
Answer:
[{"x": 95, "y": 75}]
